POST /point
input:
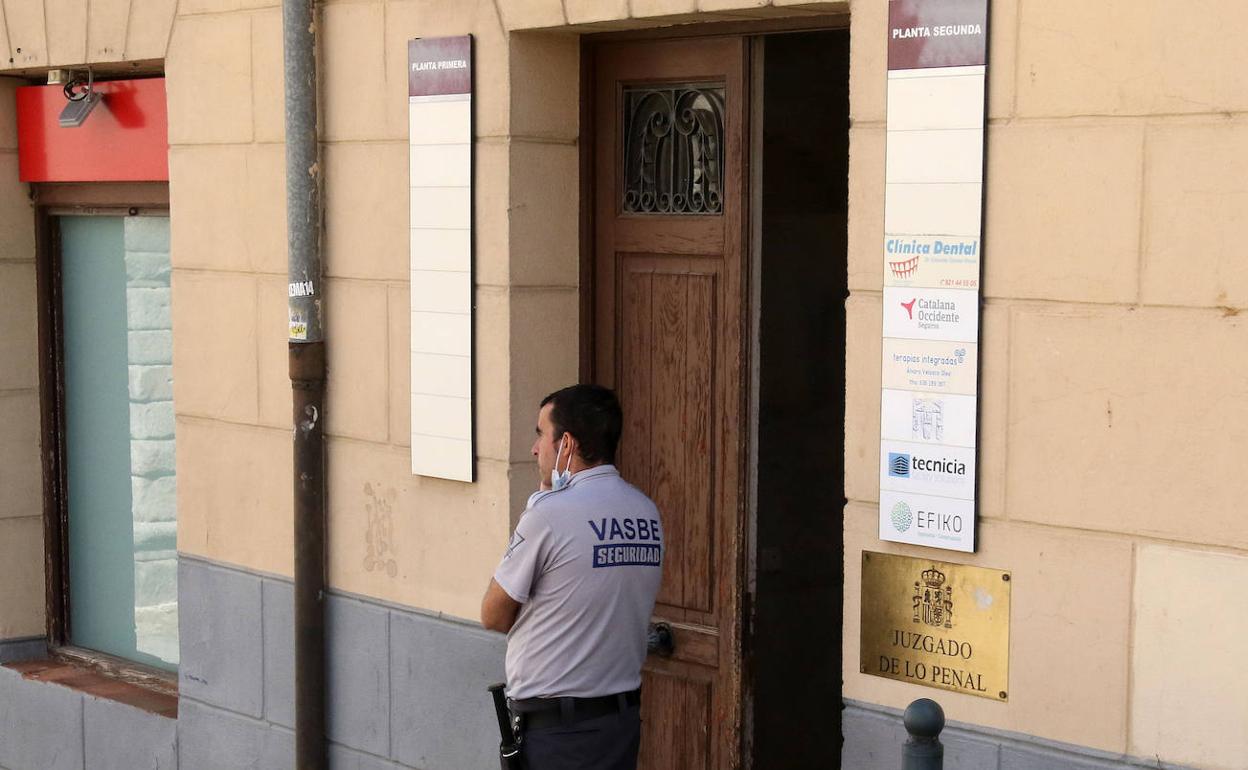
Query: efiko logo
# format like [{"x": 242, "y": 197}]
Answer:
[{"x": 901, "y": 516}]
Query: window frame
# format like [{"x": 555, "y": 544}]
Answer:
[{"x": 50, "y": 201}]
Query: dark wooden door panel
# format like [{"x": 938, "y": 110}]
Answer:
[
  {"x": 666, "y": 322},
  {"x": 676, "y": 733},
  {"x": 668, "y": 310}
]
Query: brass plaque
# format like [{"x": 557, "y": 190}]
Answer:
[{"x": 936, "y": 624}]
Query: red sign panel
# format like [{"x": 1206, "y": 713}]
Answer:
[
  {"x": 439, "y": 66},
  {"x": 937, "y": 33},
  {"x": 124, "y": 139}
]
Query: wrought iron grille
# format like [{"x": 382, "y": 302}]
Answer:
[{"x": 674, "y": 149}]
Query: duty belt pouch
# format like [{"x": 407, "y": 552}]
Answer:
[{"x": 508, "y": 732}]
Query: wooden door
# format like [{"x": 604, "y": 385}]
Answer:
[{"x": 668, "y": 323}]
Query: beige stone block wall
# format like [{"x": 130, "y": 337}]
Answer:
[
  {"x": 148, "y": 34},
  {"x": 1068, "y": 641},
  {"x": 21, "y": 575},
  {"x": 1111, "y": 388},
  {"x": 106, "y": 32},
  {"x": 228, "y": 253},
  {"x": 272, "y": 352},
  {"x": 1197, "y": 180},
  {"x": 1108, "y": 395},
  {"x": 214, "y": 53},
  {"x": 866, "y": 205},
  {"x": 403, "y": 537},
  {"x": 354, "y": 80},
  {"x": 357, "y": 405},
  {"x": 548, "y": 107},
  {"x": 1063, "y": 212},
  {"x": 589, "y": 11},
  {"x": 545, "y": 221},
  {"x": 597, "y": 15},
  {"x": 18, "y": 326},
  {"x": 1160, "y": 62},
  {"x": 1190, "y": 702},
  {"x": 492, "y": 211},
  {"x": 424, "y": 542},
  {"x": 366, "y": 210},
  {"x": 235, "y": 492},
  {"x": 1143, "y": 408},
  {"x": 399, "y": 337},
  {"x": 28, "y": 41},
  {"x": 67, "y": 29},
  {"x": 215, "y": 345},
  {"x": 21, "y": 472},
  {"x": 406, "y": 19},
  {"x": 863, "y": 322},
  {"x": 70, "y": 33},
  {"x": 544, "y": 324}
]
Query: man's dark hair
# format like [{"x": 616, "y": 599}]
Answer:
[{"x": 592, "y": 414}]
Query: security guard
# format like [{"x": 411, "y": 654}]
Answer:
[{"x": 574, "y": 592}]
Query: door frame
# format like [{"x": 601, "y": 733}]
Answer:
[
  {"x": 53, "y": 200},
  {"x": 746, "y": 515},
  {"x": 586, "y": 142}
]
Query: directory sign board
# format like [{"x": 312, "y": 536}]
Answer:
[
  {"x": 439, "y": 81},
  {"x": 932, "y": 250}
]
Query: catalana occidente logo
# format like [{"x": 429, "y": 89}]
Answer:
[
  {"x": 902, "y": 516},
  {"x": 948, "y": 315}
]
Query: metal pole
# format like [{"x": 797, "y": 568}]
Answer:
[
  {"x": 307, "y": 376},
  {"x": 924, "y": 719}
]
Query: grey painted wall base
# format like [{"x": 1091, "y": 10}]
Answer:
[
  {"x": 874, "y": 737},
  {"x": 406, "y": 689},
  {"x": 28, "y": 648},
  {"x": 49, "y": 727}
]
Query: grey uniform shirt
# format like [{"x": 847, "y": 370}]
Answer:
[{"x": 585, "y": 564}]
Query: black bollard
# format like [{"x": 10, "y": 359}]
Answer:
[{"x": 924, "y": 719}]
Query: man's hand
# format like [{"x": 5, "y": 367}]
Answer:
[{"x": 498, "y": 610}]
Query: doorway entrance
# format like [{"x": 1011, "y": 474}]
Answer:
[{"x": 716, "y": 259}]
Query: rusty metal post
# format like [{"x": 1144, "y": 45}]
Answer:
[
  {"x": 307, "y": 375},
  {"x": 924, "y": 719}
]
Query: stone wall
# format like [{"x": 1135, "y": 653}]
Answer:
[
  {"x": 53, "y": 727},
  {"x": 153, "y": 485},
  {"x": 404, "y": 688},
  {"x": 227, "y": 189},
  {"x": 1110, "y": 402},
  {"x": 21, "y": 490},
  {"x": 1111, "y": 393}
]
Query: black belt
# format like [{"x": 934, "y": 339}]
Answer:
[{"x": 537, "y": 713}]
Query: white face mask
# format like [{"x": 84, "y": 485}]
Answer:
[{"x": 560, "y": 480}]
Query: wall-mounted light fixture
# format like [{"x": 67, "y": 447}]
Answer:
[{"x": 79, "y": 91}]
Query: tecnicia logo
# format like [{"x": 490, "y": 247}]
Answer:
[{"x": 899, "y": 465}]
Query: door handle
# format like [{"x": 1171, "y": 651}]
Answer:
[{"x": 661, "y": 641}]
